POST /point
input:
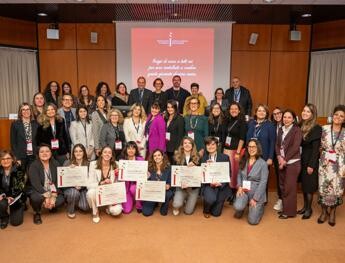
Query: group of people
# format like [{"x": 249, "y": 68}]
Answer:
[{"x": 170, "y": 128}]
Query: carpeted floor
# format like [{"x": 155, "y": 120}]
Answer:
[{"x": 135, "y": 238}]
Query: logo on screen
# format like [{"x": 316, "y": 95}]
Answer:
[{"x": 171, "y": 41}]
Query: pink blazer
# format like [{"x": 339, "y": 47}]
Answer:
[{"x": 156, "y": 138}]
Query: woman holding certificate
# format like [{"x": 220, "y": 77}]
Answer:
[
  {"x": 76, "y": 196},
  {"x": 112, "y": 134},
  {"x": 215, "y": 193},
  {"x": 159, "y": 170},
  {"x": 134, "y": 127},
  {"x": 43, "y": 179},
  {"x": 196, "y": 126},
  {"x": 101, "y": 172},
  {"x": 251, "y": 182},
  {"x": 99, "y": 118},
  {"x": 131, "y": 152},
  {"x": 186, "y": 155}
]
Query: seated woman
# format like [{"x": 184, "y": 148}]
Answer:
[
  {"x": 43, "y": 179},
  {"x": 251, "y": 183},
  {"x": 131, "y": 152},
  {"x": 102, "y": 171},
  {"x": 216, "y": 193},
  {"x": 76, "y": 196},
  {"x": 160, "y": 170},
  {"x": 12, "y": 183},
  {"x": 186, "y": 155}
]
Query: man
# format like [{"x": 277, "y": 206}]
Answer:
[
  {"x": 177, "y": 93},
  {"x": 67, "y": 113},
  {"x": 194, "y": 87},
  {"x": 141, "y": 95},
  {"x": 241, "y": 95}
]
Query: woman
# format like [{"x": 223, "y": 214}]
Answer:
[
  {"x": 121, "y": 95},
  {"x": 103, "y": 89},
  {"x": 76, "y": 196},
  {"x": 81, "y": 132},
  {"x": 85, "y": 99},
  {"x": 236, "y": 130},
  {"x": 214, "y": 194},
  {"x": 67, "y": 89},
  {"x": 252, "y": 183},
  {"x": 51, "y": 131},
  {"x": 159, "y": 170},
  {"x": 155, "y": 129},
  {"x": 112, "y": 134},
  {"x": 131, "y": 152},
  {"x": 219, "y": 98},
  {"x": 12, "y": 184},
  {"x": 102, "y": 171},
  {"x": 51, "y": 93},
  {"x": 196, "y": 126},
  {"x": 174, "y": 129},
  {"x": 216, "y": 124},
  {"x": 38, "y": 103},
  {"x": 186, "y": 155},
  {"x": 332, "y": 166},
  {"x": 158, "y": 95},
  {"x": 43, "y": 179},
  {"x": 99, "y": 118},
  {"x": 311, "y": 133},
  {"x": 276, "y": 118},
  {"x": 23, "y": 136},
  {"x": 289, "y": 159}
]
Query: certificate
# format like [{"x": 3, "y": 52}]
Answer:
[
  {"x": 189, "y": 176},
  {"x": 216, "y": 172},
  {"x": 133, "y": 170},
  {"x": 72, "y": 176},
  {"x": 110, "y": 194},
  {"x": 153, "y": 191}
]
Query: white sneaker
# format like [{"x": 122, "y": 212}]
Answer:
[
  {"x": 96, "y": 218},
  {"x": 71, "y": 216},
  {"x": 278, "y": 205},
  {"x": 176, "y": 211}
]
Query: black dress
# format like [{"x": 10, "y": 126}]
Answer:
[{"x": 310, "y": 158}]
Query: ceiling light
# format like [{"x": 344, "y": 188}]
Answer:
[
  {"x": 269, "y": 1},
  {"x": 42, "y": 14},
  {"x": 306, "y": 15},
  {"x": 79, "y": 1}
]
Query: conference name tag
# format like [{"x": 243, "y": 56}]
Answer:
[
  {"x": 246, "y": 185},
  {"x": 228, "y": 141},
  {"x": 331, "y": 156},
  {"x": 29, "y": 146},
  {"x": 167, "y": 136},
  {"x": 52, "y": 188},
  {"x": 118, "y": 145},
  {"x": 191, "y": 134},
  {"x": 54, "y": 144}
]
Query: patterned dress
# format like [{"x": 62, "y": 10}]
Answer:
[{"x": 332, "y": 174}]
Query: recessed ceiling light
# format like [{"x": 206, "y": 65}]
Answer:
[
  {"x": 268, "y": 1},
  {"x": 79, "y": 1},
  {"x": 42, "y": 14},
  {"x": 306, "y": 15}
]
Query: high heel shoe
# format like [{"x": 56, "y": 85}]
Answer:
[
  {"x": 331, "y": 219},
  {"x": 323, "y": 217},
  {"x": 307, "y": 214},
  {"x": 301, "y": 211}
]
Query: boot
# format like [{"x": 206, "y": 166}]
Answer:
[
  {"x": 308, "y": 211},
  {"x": 305, "y": 201},
  {"x": 331, "y": 219},
  {"x": 322, "y": 218}
]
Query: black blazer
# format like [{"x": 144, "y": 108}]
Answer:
[
  {"x": 36, "y": 175},
  {"x": 218, "y": 131},
  {"x": 245, "y": 99},
  {"x": 176, "y": 129},
  {"x": 49, "y": 99},
  {"x": 116, "y": 101},
  {"x": 17, "y": 181},
  {"x": 45, "y": 135},
  {"x": 311, "y": 148},
  {"x": 134, "y": 97},
  {"x": 161, "y": 98},
  {"x": 18, "y": 140},
  {"x": 181, "y": 97}
]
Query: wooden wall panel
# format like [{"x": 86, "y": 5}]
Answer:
[
  {"x": 20, "y": 33},
  {"x": 5, "y": 125},
  {"x": 288, "y": 79},
  {"x": 59, "y": 65},
  {"x": 329, "y": 35},
  {"x": 67, "y": 34},
  {"x": 106, "y": 36},
  {"x": 253, "y": 69},
  {"x": 281, "y": 38},
  {"x": 241, "y": 35},
  {"x": 95, "y": 66}
]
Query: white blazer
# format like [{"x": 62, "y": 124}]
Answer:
[
  {"x": 95, "y": 176},
  {"x": 132, "y": 134},
  {"x": 79, "y": 135}
]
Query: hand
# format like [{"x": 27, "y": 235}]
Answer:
[
  {"x": 10, "y": 199},
  {"x": 240, "y": 192},
  {"x": 19, "y": 162},
  {"x": 72, "y": 165},
  {"x": 201, "y": 152},
  {"x": 184, "y": 185},
  {"x": 237, "y": 157},
  {"x": 107, "y": 181},
  {"x": 310, "y": 170},
  {"x": 191, "y": 164},
  {"x": 77, "y": 187},
  {"x": 46, "y": 203},
  {"x": 269, "y": 162},
  {"x": 215, "y": 184},
  {"x": 252, "y": 203},
  {"x": 52, "y": 202}
]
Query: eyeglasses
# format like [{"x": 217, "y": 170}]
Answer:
[
  {"x": 194, "y": 103},
  {"x": 6, "y": 159}
]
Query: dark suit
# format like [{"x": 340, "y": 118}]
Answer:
[
  {"x": 145, "y": 100},
  {"x": 214, "y": 197},
  {"x": 176, "y": 130},
  {"x": 179, "y": 96},
  {"x": 245, "y": 99},
  {"x": 161, "y": 98}
]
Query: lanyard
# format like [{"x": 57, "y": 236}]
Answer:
[
  {"x": 191, "y": 122},
  {"x": 177, "y": 94},
  {"x": 216, "y": 128},
  {"x": 232, "y": 126},
  {"x": 84, "y": 126},
  {"x": 116, "y": 131},
  {"x": 48, "y": 174},
  {"x": 258, "y": 128},
  {"x": 54, "y": 130},
  {"x": 237, "y": 94},
  {"x": 214, "y": 157},
  {"x": 336, "y": 140},
  {"x": 137, "y": 127}
]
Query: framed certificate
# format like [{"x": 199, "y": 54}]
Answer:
[
  {"x": 189, "y": 176},
  {"x": 110, "y": 194},
  {"x": 72, "y": 176},
  {"x": 216, "y": 172},
  {"x": 133, "y": 170},
  {"x": 153, "y": 191}
]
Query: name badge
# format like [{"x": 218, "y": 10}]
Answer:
[
  {"x": 217, "y": 139},
  {"x": 146, "y": 137},
  {"x": 167, "y": 136},
  {"x": 29, "y": 146},
  {"x": 282, "y": 153},
  {"x": 118, "y": 145},
  {"x": 54, "y": 144},
  {"x": 52, "y": 188},
  {"x": 191, "y": 134},
  {"x": 331, "y": 156},
  {"x": 228, "y": 141},
  {"x": 246, "y": 185}
]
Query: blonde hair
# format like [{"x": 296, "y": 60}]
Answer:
[
  {"x": 116, "y": 111},
  {"x": 142, "y": 115},
  {"x": 180, "y": 156},
  {"x": 44, "y": 120},
  {"x": 188, "y": 103}
]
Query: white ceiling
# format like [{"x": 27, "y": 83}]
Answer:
[{"x": 286, "y": 2}]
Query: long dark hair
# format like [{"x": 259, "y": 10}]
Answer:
[
  {"x": 130, "y": 144},
  {"x": 69, "y": 85},
  {"x": 99, "y": 86},
  {"x": 112, "y": 160},
  {"x": 85, "y": 161},
  {"x": 78, "y": 116},
  {"x": 152, "y": 164},
  {"x": 173, "y": 103},
  {"x": 47, "y": 90},
  {"x": 258, "y": 154},
  {"x": 118, "y": 86},
  {"x": 211, "y": 118},
  {"x": 240, "y": 115}
]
